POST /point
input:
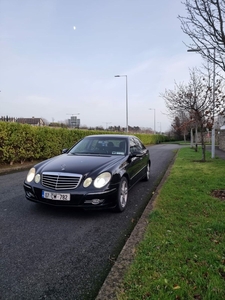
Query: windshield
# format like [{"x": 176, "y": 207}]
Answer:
[{"x": 100, "y": 145}]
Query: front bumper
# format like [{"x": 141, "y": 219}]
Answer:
[{"x": 90, "y": 200}]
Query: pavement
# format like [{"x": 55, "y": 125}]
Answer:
[
  {"x": 218, "y": 153},
  {"x": 17, "y": 167},
  {"x": 114, "y": 280}
]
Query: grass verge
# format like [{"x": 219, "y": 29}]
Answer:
[{"x": 182, "y": 255}]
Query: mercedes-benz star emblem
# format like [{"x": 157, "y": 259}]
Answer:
[{"x": 63, "y": 167}]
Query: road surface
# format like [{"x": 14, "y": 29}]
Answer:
[{"x": 65, "y": 253}]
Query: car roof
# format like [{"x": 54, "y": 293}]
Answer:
[{"x": 110, "y": 136}]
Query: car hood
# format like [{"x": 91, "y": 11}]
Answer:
[{"x": 79, "y": 164}]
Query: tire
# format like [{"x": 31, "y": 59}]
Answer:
[
  {"x": 122, "y": 195},
  {"x": 147, "y": 175}
]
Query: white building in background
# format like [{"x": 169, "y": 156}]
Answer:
[{"x": 74, "y": 122}]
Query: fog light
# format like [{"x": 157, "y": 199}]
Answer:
[
  {"x": 96, "y": 201},
  {"x": 29, "y": 194}
]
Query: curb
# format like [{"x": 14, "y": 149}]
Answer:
[
  {"x": 7, "y": 169},
  {"x": 12, "y": 169}
]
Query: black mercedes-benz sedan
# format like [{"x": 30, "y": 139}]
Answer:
[{"x": 97, "y": 172}]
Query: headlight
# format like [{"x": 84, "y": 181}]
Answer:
[
  {"x": 102, "y": 180},
  {"x": 31, "y": 174},
  {"x": 87, "y": 182},
  {"x": 37, "y": 178}
]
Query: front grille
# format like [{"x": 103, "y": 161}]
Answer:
[{"x": 61, "y": 181}]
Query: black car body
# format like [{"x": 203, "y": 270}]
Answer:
[{"x": 96, "y": 172}]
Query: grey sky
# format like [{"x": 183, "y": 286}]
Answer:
[{"x": 50, "y": 70}]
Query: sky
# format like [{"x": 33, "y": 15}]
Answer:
[{"x": 59, "y": 58}]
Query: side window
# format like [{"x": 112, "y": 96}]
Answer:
[
  {"x": 133, "y": 146},
  {"x": 136, "y": 145},
  {"x": 139, "y": 144}
]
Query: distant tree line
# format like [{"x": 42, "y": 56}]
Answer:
[{"x": 134, "y": 129}]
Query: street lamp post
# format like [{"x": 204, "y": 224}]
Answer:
[
  {"x": 214, "y": 83},
  {"x": 126, "y": 100},
  {"x": 213, "y": 95},
  {"x": 154, "y": 117},
  {"x": 160, "y": 127}
]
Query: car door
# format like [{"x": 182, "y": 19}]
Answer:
[
  {"x": 137, "y": 161},
  {"x": 143, "y": 155}
]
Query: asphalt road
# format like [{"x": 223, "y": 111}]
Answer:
[{"x": 62, "y": 253}]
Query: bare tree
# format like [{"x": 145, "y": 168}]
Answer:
[
  {"x": 195, "y": 98},
  {"x": 204, "y": 24}
]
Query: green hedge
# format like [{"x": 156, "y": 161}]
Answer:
[{"x": 22, "y": 142}]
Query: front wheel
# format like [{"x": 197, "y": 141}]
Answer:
[{"x": 122, "y": 195}]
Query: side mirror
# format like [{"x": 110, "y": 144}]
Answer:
[
  {"x": 64, "y": 150},
  {"x": 136, "y": 154}
]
